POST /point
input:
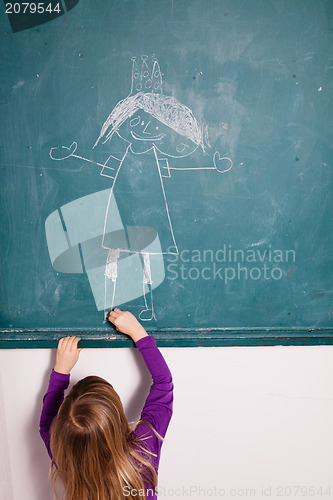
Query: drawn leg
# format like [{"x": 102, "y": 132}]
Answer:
[
  {"x": 111, "y": 273},
  {"x": 147, "y": 314}
]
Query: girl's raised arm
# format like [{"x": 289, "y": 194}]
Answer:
[{"x": 158, "y": 406}]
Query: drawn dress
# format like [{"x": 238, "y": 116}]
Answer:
[{"x": 139, "y": 193}]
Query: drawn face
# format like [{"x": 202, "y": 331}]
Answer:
[{"x": 145, "y": 132}]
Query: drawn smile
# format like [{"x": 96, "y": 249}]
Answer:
[{"x": 149, "y": 138}]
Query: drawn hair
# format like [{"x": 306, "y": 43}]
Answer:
[
  {"x": 166, "y": 109},
  {"x": 95, "y": 452}
]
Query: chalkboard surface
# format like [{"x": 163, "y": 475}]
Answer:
[{"x": 172, "y": 158}]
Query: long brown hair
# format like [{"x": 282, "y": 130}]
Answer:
[{"x": 95, "y": 452}]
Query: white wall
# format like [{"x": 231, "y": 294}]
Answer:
[{"x": 244, "y": 419}]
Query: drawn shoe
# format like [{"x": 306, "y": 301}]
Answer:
[{"x": 147, "y": 315}]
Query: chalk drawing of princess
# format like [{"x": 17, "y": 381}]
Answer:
[{"x": 157, "y": 130}]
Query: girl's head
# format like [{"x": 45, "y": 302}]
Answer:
[
  {"x": 90, "y": 444},
  {"x": 175, "y": 131}
]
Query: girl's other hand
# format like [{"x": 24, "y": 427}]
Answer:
[
  {"x": 125, "y": 322},
  {"x": 67, "y": 354}
]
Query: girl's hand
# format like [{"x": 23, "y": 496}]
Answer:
[
  {"x": 125, "y": 322},
  {"x": 67, "y": 354}
]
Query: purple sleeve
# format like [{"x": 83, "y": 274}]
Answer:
[
  {"x": 51, "y": 403},
  {"x": 157, "y": 409}
]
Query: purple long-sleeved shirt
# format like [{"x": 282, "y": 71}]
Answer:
[{"x": 157, "y": 409}]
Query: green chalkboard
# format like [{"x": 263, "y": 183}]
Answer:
[{"x": 172, "y": 158}]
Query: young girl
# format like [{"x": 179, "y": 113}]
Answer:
[{"x": 93, "y": 450}]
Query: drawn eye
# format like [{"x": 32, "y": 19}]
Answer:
[
  {"x": 181, "y": 147},
  {"x": 135, "y": 121}
]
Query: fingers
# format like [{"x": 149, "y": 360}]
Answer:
[
  {"x": 68, "y": 343},
  {"x": 67, "y": 354},
  {"x": 73, "y": 342},
  {"x": 117, "y": 317},
  {"x": 114, "y": 314}
]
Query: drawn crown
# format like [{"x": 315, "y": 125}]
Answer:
[{"x": 145, "y": 79}]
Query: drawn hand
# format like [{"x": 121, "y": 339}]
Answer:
[
  {"x": 67, "y": 354},
  {"x": 62, "y": 152},
  {"x": 125, "y": 322},
  {"x": 222, "y": 164}
]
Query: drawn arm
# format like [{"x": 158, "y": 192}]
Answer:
[
  {"x": 220, "y": 163},
  {"x": 63, "y": 152}
]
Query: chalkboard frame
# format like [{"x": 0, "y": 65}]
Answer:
[{"x": 175, "y": 337}]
